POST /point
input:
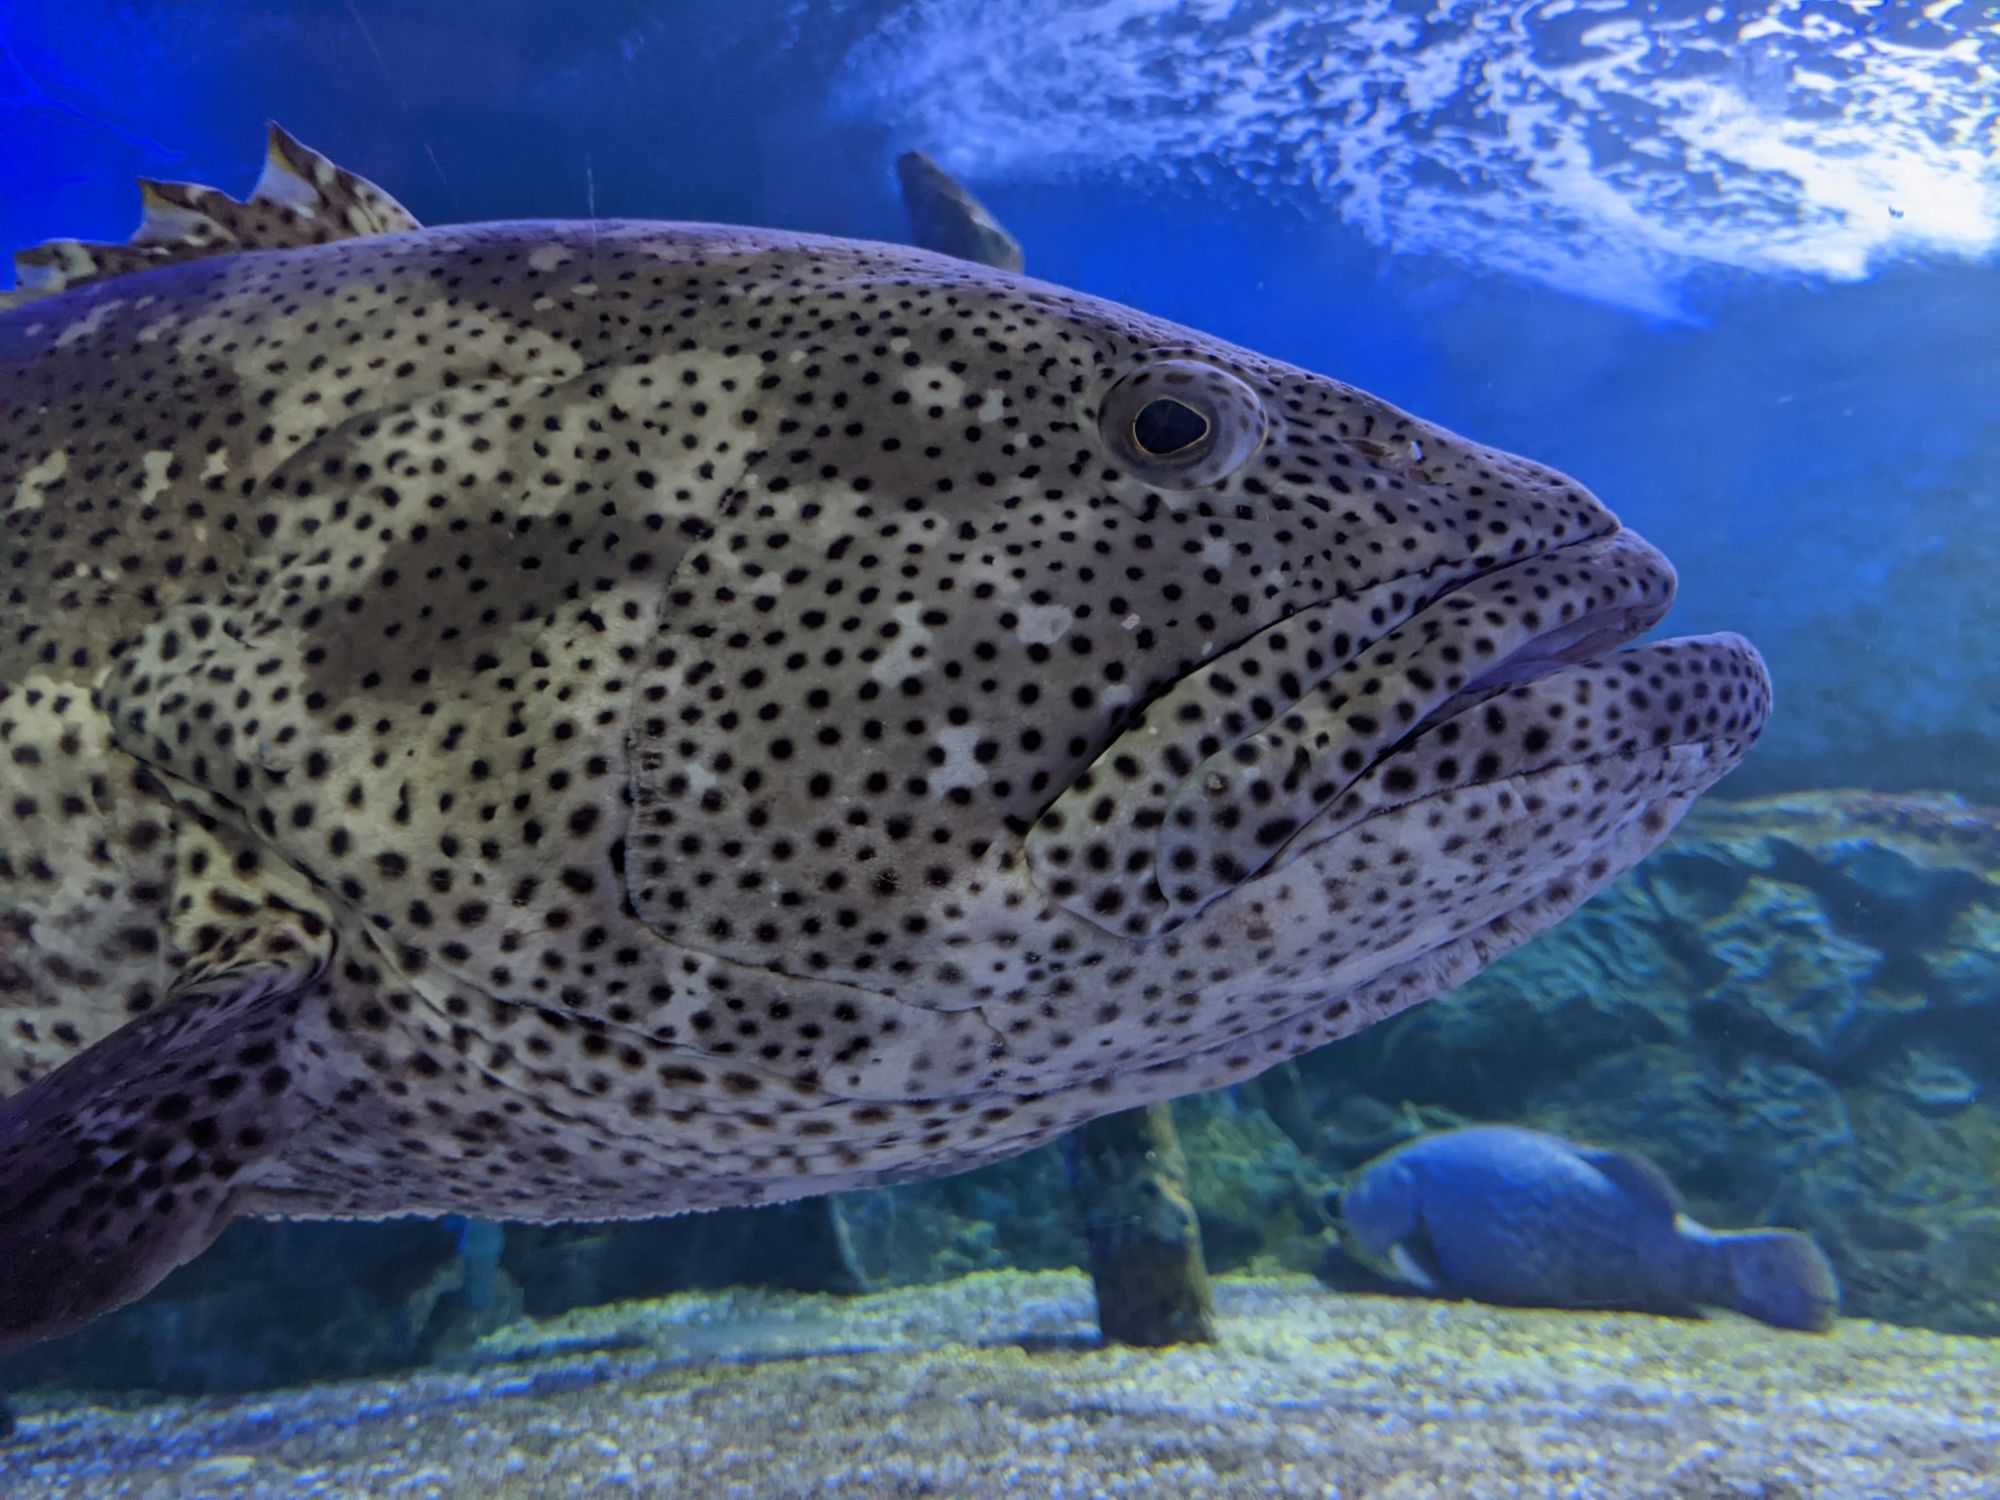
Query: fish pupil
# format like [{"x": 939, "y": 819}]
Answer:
[{"x": 1165, "y": 427}]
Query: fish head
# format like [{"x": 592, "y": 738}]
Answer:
[
  {"x": 1143, "y": 692},
  {"x": 1380, "y": 1208}
]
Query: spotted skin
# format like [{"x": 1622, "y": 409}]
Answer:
[{"x": 555, "y": 720}]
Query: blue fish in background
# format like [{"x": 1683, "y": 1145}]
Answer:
[
  {"x": 480, "y": 1242},
  {"x": 1501, "y": 1214}
]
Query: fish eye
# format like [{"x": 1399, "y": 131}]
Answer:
[{"x": 1181, "y": 424}]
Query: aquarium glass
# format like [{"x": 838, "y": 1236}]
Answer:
[{"x": 1734, "y": 266}]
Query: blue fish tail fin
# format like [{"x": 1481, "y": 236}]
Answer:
[{"x": 1776, "y": 1276}]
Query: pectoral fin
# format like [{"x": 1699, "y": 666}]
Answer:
[
  {"x": 129, "y": 1160},
  {"x": 1411, "y": 1261}
]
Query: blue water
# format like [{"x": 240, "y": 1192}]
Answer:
[{"x": 1737, "y": 267}]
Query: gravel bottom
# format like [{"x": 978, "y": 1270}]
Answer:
[{"x": 990, "y": 1386}]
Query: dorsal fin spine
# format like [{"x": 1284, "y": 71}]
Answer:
[
  {"x": 283, "y": 181},
  {"x": 301, "y": 198}
]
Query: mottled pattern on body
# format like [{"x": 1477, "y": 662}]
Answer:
[{"x": 647, "y": 716}]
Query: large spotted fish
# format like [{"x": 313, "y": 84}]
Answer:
[{"x": 574, "y": 720}]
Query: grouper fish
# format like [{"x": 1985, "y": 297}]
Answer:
[{"x": 562, "y": 720}]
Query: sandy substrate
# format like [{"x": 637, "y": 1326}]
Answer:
[{"x": 989, "y": 1387}]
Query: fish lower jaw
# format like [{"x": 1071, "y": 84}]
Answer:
[
  {"x": 1694, "y": 705},
  {"x": 1345, "y": 996},
  {"x": 1495, "y": 854},
  {"x": 1407, "y": 899}
]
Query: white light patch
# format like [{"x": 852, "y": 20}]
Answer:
[
  {"x": 960, "y": 768},
  {"x": 31, "y": 490},
  {"x": 547, "y": 258},
  {"x": 153, "y": 474},
  {"x": 1218, "y": 552},
  {"x": 89, "y": 323},
  {"x": 901, "y": 656},
  {"x": 934, "y": 385},
  {"x": 1043, "y": 624}
]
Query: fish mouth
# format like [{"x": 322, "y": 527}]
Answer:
[
  {"x": 1517, "y": 670},
  {"x": 1583, "y": 640}
]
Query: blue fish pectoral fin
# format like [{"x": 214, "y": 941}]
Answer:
[
  {"x": 301, "y": 199},
  {"x": 1412, "y": 1261},
  {"x": 129, "y": 1160}
]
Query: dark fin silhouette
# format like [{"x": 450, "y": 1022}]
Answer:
[
  {"x": 946, "y": 218},
  {"x": 129, "y": 1159},
  {"x": 1649, "y": 1187},
  {"x": 301, "y": 199},
  {"x": 1776, "y": 1276}
]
